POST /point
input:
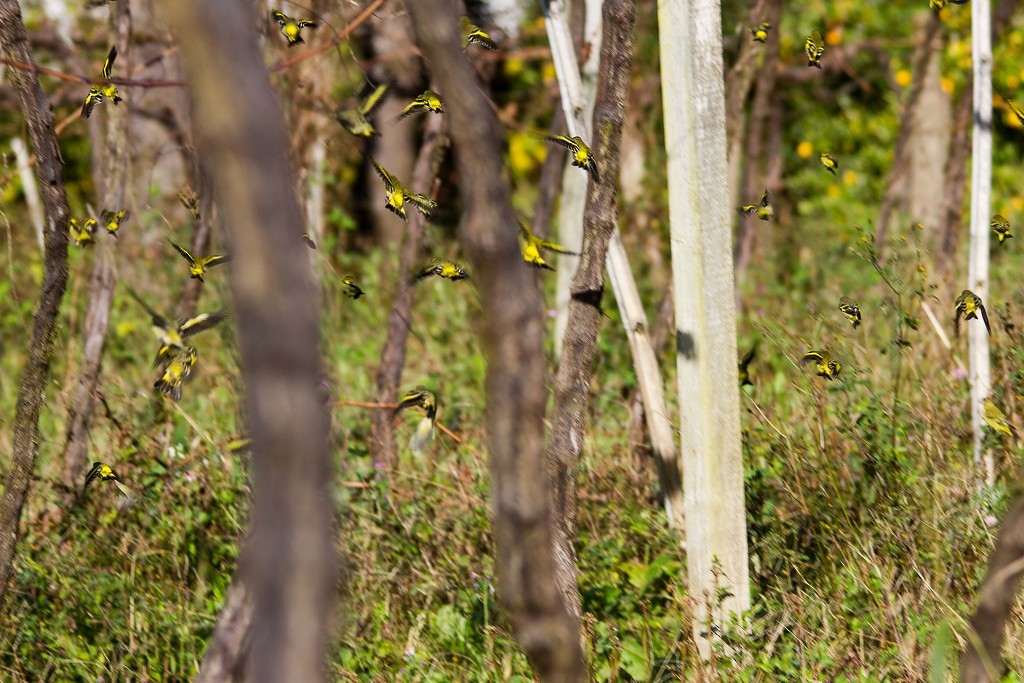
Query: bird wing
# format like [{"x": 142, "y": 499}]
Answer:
[
  {"x": 158, "y": 320},
  {"x": 557, "y": 248},
  {"x": 563, "y": 141},
  {"x": 280, "y": 17},
  {"x": 203, "y": 321},
  {"x": 181, "y": 250},
  {"x": 424, "y": 203},
  {"x": 389, "y": 180},
  {"x": 211, "y": 261},
  {"x": 91, "y": 100},
  {"x": 984, "y": 316},
  {"x": 592, "y": 167},
  {"x": 373, "y": 99},
  {"x": 812, "y": 356},
  {"x": 306, "y": 23},
  {"x": 108, "y": 63}
]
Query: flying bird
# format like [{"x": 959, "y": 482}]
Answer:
[{"x": 101, "y": 91}]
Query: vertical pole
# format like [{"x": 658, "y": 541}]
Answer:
[
  {"x": 694, "y": 102},
  {"x": 981, "y": 199}
]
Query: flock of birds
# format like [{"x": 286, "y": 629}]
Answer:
[
  {"x": 176, "y": 354},
  {"x": 967, "y": 306}
]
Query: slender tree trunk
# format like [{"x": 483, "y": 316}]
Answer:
[
  {"x": 34, "y": 378},
  {"x": 224, "y": 661},
  {"x": 112, "y": 176},
  {"x": 928, "y": 147},
  {"x": 981, "y": 201},
  {"x": 995, "y": 601},
  {"x": 289, "y": 561},
  {"x": 543, "y": 624},
  {"x": 954, "y": 187},
  {"x": 392, "y": 356},
  {"x": 692, "y": 88}
]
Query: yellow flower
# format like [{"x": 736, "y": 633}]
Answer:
[
  {"x": 1018, "y": 205},
  {"x": 513, "y": 67},
  {"x": 834, "y": 191},
  {"x": 804, "y": 149},
  {"x": 834, "y": 36},
  {"x": 903, "y": 78},
  {"x": 947, "y": 85},
  {"x": 849, "y": 178},
  {"x": 547, "y": 72}
]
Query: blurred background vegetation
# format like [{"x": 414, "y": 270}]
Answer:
[{"x": 868, "y": 523}]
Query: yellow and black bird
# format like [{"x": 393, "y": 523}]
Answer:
[
  {"x": 308, "y": 240},
  {"x": 291, "y": 28},
  {"x": 1014, "y": 107},
  {"x": 352, "y": 290},
  {"x": 172, "y": 336},
  {"x": 177, "y": 369},
  {"x": 969, "y": 304},
  {"x": 995, "y": 418},
  {"x": 83, "y": 234},
  {"x": 197, "y": 266},
  {"x": 424, "y": 399},
  {"x": 828, "y": 162},
  {"x": 814, "y": 48},
  {"x": 760, "y": 32},
  {"x": 582, "y": 157},
  {"x": 1001, "y": 227},
  {"x": 190, "y": 200},
  {"x": 765, "y": 211},
  {"x": 443, "y": 268},
  {"x": 102, "y": 472},
  {"x": 396, "y": 195},
  {"x": 112, "y": 220},
  {"x": 824, "y": 366},
  {"x": 530, "y": 246},
  {"x": 428, "y": 100},
  {"x": 744, "y": 367},
  {"x": 850, "y": 309},
  {"x": 101, "y": 91},
  {"x": 473, "y": 34},
  {"x": 356, "y": 120}
]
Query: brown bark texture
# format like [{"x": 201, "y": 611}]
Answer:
[
  {"x": 579, "y": 347},
  {"x": 224, "y": 661},
  {"x": 43, "y": 139},
  {"x": 112, "y": 176},
  {"x": 512, "y": 338},
  {"x": 392, "y": 356},
  {"x": 995, "y": 600},
  {"x": 289, "y": 561}
]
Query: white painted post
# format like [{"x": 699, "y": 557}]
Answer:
[
  {"x": 981, "y": 200},
  {"x": 700, "y": 226}
]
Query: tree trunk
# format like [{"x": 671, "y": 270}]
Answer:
[
  {"x": 995, "y": 601},
  {"x": 929, "y": 147},
  {"x": 112, "y": 175},
  {"x": 392, "y": 356},
  {"x": 540, "y": 618},
  {"x": 980, "y": 376},
  {"x": 34, "y": 378},
  {"x": 692, "y": 88},
  {"x": 289, "y": 561}
]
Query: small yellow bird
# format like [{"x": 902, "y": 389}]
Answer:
[
  {"x": 473, "y": 34},
  {"x": 197, "y": 266},
  {"x": 172, "y": 336},
  {"x": 824, "y": 366},
  {"x": 829, "y": 162},
  {"x": 814, "y": 48},
  {"x": 112, "y": 220},
  {"x": 995, "y": 418},
  {"x": 760, "y": 32},
  {"x": 582, "y": 157},
  {"x": 744, "y": 367},
  {"x": 428, "y": 100},
  {"x": 424, "y": 399},
  {"x": 177, "y": 370},
  {"x": 969, "y": 304},
  {"x": 530, "y": 246},
  {"x": 291, "y": 28},
  {"x": 765, "y": 211},
  {"x": 102, "y": 472},
  {"x": 357, "y": 120},
  {"x": 1001, "y": 227},
  {"x": 396, "y": 195},
  {"x": 98, "y": 92},
  {"x": 443, "y": 268},
  {"x": 352, "y": 290},
  {"x": 83, "y": 234},
  {"x": 190, "y": 200},
  {"x": 308, "y": 240},
  {"x": 850, "y": 309}
]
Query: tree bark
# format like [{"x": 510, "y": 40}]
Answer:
[
  {"x": 224, "y": 661},
  {"x": 289, "y": 561},
  {"x": 512, "y": 338},
  {"x": 111, "y": 175},
  {"x": 392, "y": 356},
  {"x": 995, "y": 601},
  {"x": 34, "y": 378}
]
